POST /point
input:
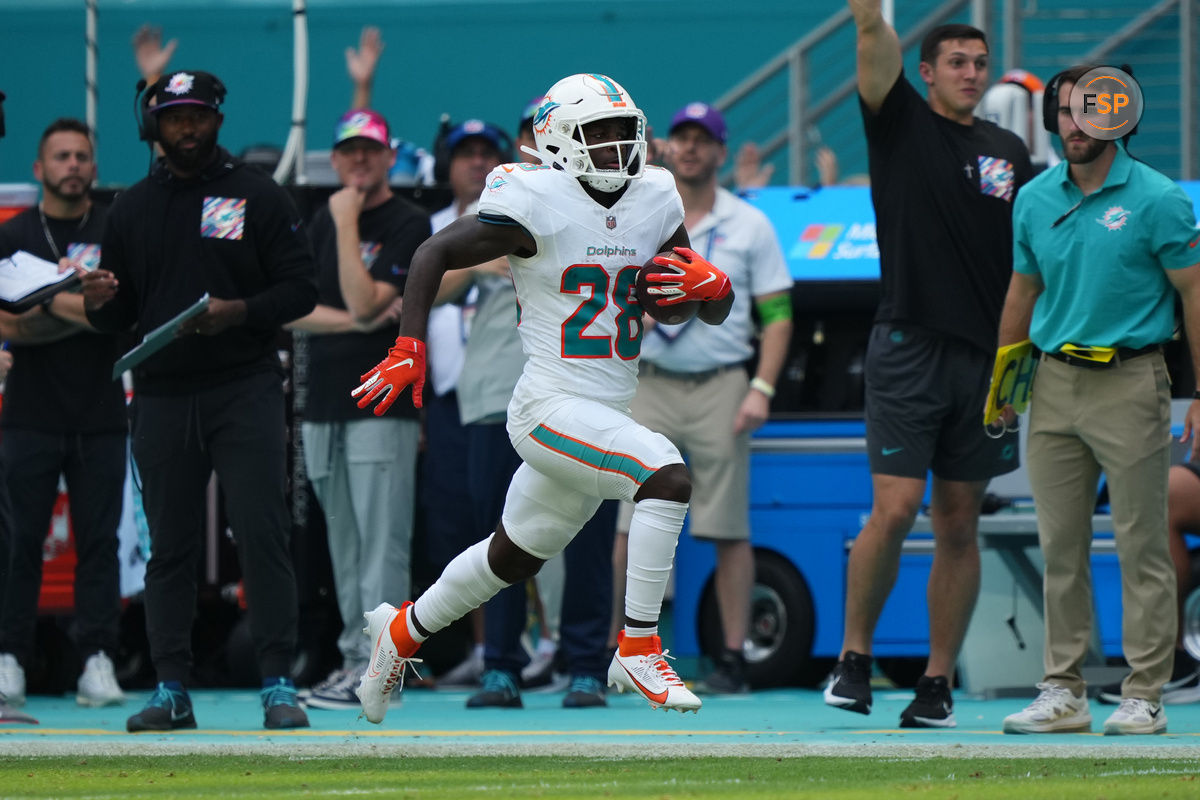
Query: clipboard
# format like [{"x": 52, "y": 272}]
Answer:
[
  {"x": 1012, "y": 380},
  {"x": 26, "y": 281},
  {"x": 158, "y": 338}
]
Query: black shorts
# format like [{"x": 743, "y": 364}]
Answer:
[{"x": 925, "y": 395}]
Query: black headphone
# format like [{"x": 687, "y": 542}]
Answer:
[
  {"x": 441, "y": 148},
  {"x": 1050, "y": 100},
  {"x": 147, "y": 122}
]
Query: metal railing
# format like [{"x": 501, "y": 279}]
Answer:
[
  {"x": 1187, "y": 68},
  {"x": 803, "y": 111}
]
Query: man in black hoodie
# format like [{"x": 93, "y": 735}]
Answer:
[{"x": 203, "y": 222}]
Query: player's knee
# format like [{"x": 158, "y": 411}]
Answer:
[
  {"x": 672, "y": 482},
  {"x": 509, "y": 562},
  {"x": 893, "y": 520}
]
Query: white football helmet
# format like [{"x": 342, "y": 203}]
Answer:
[{"x": 558, "y": 129}]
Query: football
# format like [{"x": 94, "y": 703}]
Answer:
[{"x": 668, "y": 315}]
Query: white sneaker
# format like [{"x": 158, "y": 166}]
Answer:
[
  {"x": 12, "y": 680},
  {"x": 540, "y": 669},
  {"x": 337, "y": 691},
  {"x": 98, "y": 685},
  {"x": 1055, "y": 710},
  {"x": 1136, "y": 715},
  {"x": 389, "y": 659},
  {"x": 652, "y": 677},
  {"x": 467, "y": 672}
]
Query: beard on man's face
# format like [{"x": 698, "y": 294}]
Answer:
[
  {"x": 1081, "y": 149},
  {"x": 70, "y": 188},
  {"x": 190, "y": 158}
]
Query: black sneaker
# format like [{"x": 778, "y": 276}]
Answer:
[
  {"x": 850, "y": 684},
  {"x": 168, "y": 709},
  {"x": 933, "y": 706},
  {"x": 728, "y": 675},
  {"x": 281, "y": 708},
  {"x": 498, "y": 690},
  {"x": 585, "y": 692},
  {"x": 1184, "y": 686}
]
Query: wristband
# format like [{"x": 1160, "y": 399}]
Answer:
[{"x": 758, "y": 384}]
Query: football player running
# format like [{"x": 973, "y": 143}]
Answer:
[{"x": 575, "y": 229}]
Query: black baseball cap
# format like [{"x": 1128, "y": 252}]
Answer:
[{"x": 188, "y": 87}]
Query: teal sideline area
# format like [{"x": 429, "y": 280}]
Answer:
[{"x": 792, "y": 718}]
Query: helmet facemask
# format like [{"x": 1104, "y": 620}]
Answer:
[{"x": 572, "y": 104}]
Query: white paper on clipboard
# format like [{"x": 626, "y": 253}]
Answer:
[{"x": 158, "y": 338}]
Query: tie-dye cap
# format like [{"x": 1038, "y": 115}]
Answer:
[{"x": 362, "y": 123}]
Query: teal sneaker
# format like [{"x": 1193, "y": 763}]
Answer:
[
  {"x": 168, "y": 709},
  {"x": 498, "y": 690},
  {"x": 281, "y": 707},
  {"x": 585, "y": 692}
]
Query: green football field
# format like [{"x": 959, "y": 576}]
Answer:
[
  {"x": 262, "y": 776},
  {"x": 770, "y": 744}
]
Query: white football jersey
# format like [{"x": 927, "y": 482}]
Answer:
[{"x": 579, "y": 325}]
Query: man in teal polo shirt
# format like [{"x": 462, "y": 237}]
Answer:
[{"x": 1102, "y": 243}]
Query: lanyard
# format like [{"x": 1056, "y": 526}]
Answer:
[{"x": 50, "y": 239}]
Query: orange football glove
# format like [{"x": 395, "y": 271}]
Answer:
[
  {"x": 696, "y": 280},
  {"x": 404, "y": 366}
]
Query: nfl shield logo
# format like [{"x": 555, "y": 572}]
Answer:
[{"x": 611, "y": 222}]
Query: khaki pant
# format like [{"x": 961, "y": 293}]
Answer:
[{"x": 1081, "y": 422}]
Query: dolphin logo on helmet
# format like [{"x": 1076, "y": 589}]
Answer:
[{"x": 576, "y": 101}]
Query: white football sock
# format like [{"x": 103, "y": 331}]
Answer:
[
  {"x": 653, "y": 534},
  {"x": 467, "y": 583}
]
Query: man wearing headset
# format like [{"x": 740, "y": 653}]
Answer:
[
  {"x": 1102, "y": 243},
  {"x": 201, "y": 223}
]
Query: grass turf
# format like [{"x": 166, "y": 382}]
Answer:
[{"x": 262, "y": 777}]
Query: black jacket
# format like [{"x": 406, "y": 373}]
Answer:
[{"x": 231, "y": 232}]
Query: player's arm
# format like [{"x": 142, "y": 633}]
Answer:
[
  {"x": 879, "y": 57},
  {"x": 775, "y": 312},
  {"x": 1023, "y": 291},
  {"x": 364, "y": 296},
  {"x": 1187, "y": 282},
  {"x": 464, "y": 243},
  {"x": 33, "y": 327},
  {"x": 697, "y": 274},
  {"x": 361, "y": 64}
]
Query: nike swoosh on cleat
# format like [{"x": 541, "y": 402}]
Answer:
[
  {"x": 373, "y": 671},
  {"x": 659, "y": 697},
  {"x": 408, "y": 362}
]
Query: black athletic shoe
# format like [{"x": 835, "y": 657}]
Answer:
[
  {"x": 1184, "y": 686},
  {"x": 168, "y": 709},
  {"x": 728, "y": 675},
  {"x": 850, "y": 684},
  {"x": 499, "y": 690},
  {"x": 932, "y": 708},
  {"x": 281, "y": 707}
]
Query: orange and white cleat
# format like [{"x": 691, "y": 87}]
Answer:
[
  {"x": 392, "y": 651},
  {"x": 640, "y": 665}
]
